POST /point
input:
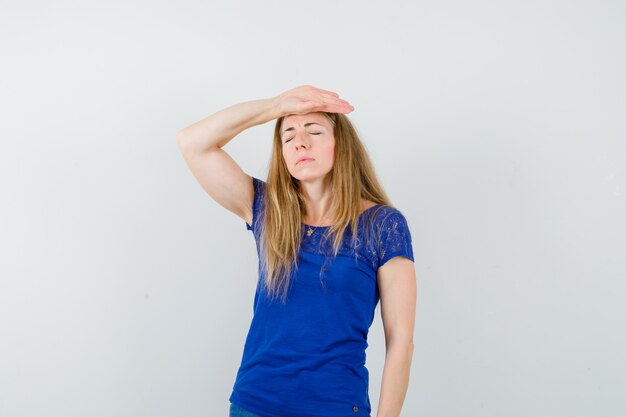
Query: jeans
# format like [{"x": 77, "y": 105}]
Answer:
[{"x": 236, "y": 411}]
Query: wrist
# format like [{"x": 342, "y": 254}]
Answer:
[{"x": 275, "y": 111}]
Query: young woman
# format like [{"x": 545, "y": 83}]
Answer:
[{"x": 330, "y": 246}]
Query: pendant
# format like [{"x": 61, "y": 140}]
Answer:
[{"x": 310, "y": 231}]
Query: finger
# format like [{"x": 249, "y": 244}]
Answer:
[
  {"x": 311, "y": 106},
  {"x": 332, "y": 93},
  {"x": 339, "y": 102},
  {"x": 334, "y": 100},
  {"x": 340, "y": 108}
]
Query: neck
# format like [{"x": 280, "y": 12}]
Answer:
[{"x": 317, "y": 200}]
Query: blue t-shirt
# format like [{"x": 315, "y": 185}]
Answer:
[{"x": 306, "y": 358}]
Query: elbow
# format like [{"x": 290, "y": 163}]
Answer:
[
  {"x": 401, "y": 345},
  {"x": 187, "y": 143},
  {"x": 182, "y": 141}
]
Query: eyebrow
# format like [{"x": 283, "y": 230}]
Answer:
[{"x": 305, "y": 125}]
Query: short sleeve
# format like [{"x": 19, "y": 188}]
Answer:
[
  {"x": 258, "y": 202},
  {"x": 395, "y": 238}
]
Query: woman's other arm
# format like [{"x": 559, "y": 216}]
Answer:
[{"x": 398, "y": 295}]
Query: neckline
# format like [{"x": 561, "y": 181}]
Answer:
[{"x": 325, "y": 227}]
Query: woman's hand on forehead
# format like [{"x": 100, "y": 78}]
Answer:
[{"x": 306, "y": 99}]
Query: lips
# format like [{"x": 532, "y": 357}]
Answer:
[{"x": 305, "y": 160}]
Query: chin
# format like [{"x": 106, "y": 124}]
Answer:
[{"x": 308, "y": 176}]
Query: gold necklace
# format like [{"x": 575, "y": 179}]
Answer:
[{"x": 312, "y": 229}]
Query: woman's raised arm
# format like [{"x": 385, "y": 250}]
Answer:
[
  {"x": 219, "y": 128},
  {"x": 221, "y": 177}
]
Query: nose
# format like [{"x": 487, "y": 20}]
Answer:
[{"x": 301, "y": 140}]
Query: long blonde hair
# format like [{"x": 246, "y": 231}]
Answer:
[{"x": 352, "y": 177}]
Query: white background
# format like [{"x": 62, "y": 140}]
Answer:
[{"x": 496, "y": 127}]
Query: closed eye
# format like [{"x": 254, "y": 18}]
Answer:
[{"x": 316, "y": 133}]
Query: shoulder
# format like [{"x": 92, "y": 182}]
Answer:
[
  {"x": 365, "y": 204},
  {"x": 384, "y": 213},
  {"x": 384, "y": 220},
  {"x": 388, "y": 224},
  {"x": 394, "y": 235}
]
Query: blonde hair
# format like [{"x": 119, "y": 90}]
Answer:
[{"x": 352, "y": 177}]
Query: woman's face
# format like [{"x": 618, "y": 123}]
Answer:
[{"x": 308, "y": 135}]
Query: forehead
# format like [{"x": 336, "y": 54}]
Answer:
[{"x": 302, "y": 119}]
